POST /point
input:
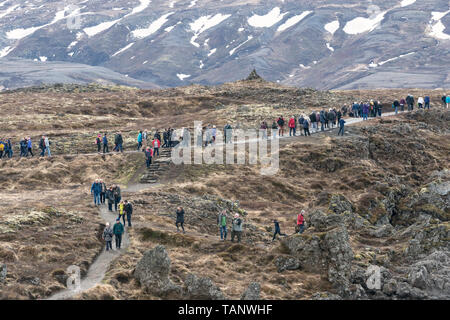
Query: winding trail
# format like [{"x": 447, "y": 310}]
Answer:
[{"x": 98, "y": 269}]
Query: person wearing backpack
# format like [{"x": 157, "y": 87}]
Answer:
[
  {"x": 301, "y": 222},
  {"x": 322, "y": 120},
  {"x": 281, "y": 123},
  {"x": 291, "y": 125},
  {"x": 148, "y": 156},
  {"x": 9, "y": 148},
  {"x": 306, "y": 126},
  {"x": 180, "y": 219},
  {"x": 107, "y": 236},
  {"x": 277, "y": 230},
  {"x": 2, "y": 149},
  {"x": 222, "y": 223},
  {"x": 118, "y": 230},
  {"x": 447, "y": 101},
  {"x": 102, "y": 191},
  {"x": 122, "y": 211},
  {"x": 420, "y": 102},
  {"x": 236, "y": 229},
  {"x": 395, "y": 105},
  {"x": 129, "y": 211}
]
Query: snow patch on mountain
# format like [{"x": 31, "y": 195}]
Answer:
[
  {"x": 268, "y": 20},
  {"x": 152, "y": 28},
  {"x": 361, "y": 25},
  {"x": 405, "y": 3},
  {"x": 437, "y": 27},
  {"x": 123, "y": 49},
  {"x": 332, "y": 27},
  {"x": 204, "y": 23},
  {"x": 182, "y": 76},
  {"x": 234, "y": 50},
  {"x": 293, "y": 21}
]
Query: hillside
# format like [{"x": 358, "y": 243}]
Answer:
[
  {"x": 338, "y": 44},
  {"x": 377, "y": 196}
]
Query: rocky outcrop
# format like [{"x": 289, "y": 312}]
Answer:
[
  {"x": 202, "y": 288},
  {"x": 328, "y": 252},
  {"x": 286, "y": 263},
  {"x": 152, "y": 271},
  {"x": 252, "y": 292}
]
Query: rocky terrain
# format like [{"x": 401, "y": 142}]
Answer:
[
  {"x": 322, "y": 44},
  {"x": 377, "y": 199}
]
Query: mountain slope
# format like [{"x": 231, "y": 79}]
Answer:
[{"x": 344, "y": 44}]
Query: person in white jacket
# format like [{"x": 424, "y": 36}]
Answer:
[
  {"x": 420, "y": 102},
  {"x": 47, "y": 146}
]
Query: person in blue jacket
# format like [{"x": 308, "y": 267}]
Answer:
[
  {"x": 427, "y": 101},
  {"x": 341, "y": 126},
  {"x": 30, "y": 146},
  {"x": 105, "y": 144},
  {"x": 96, "y": 189}
]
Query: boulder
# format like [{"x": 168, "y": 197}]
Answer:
[
  {"x": 339, "y": 204},
  {"x": 390, "y": 287},
  {"x": 202, "y": 288},
  {"x": 287, "y": 263},
  {"x": 152, "y": 271},
  {"x": 252, "y": 292}
]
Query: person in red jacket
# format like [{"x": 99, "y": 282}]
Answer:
[
  {"x": 291, "y": 126},
  {"x": 156, "y": 144},
  {"x": 301, "y": 222}
]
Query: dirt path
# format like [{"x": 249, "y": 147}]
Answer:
[{"x": 98, "y": 269}]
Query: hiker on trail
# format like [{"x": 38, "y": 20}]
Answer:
[
  {"x": 396, "y": 105},
  {"x": 9, "y": 149},
  {"x": 360, "y": 109},
  {"x": 420, "y": 102},
  {"x": 30, "y": 146},
  {"x": 236, "y": 229},
  {"x": 102, "y": 192},
  {"x": 139, "y": 140},
  {"x": 122, "y": 211},
  {"x": 117, "y": 196},
  {"x": 186, "y": 138},
  {"x": 98, "y": 142},
  {"x": 118, "y": 230},
  {"x": 42, "y": 146},
  {"x": 213, "y": 134},
  {"x": 410, "y": 102},
  {"x": 145, "y": 136},
  {"x": 291, "y": 125},
  {"x": 105, "y": 144},
  {"x": 23, "y": 148},
  {"x": 355, "y": 108},
  {"x": 301, "y": 119},
  {"x": 166, "y": 138},
  {"x": 380, "y": 108},
  {"x": 207, "y": 135},
  {"x": 306, "y": 126},
  {"x": 274, "y": 129},
  {"x": 332, "y": 117},
  {"x": 263, "y": 130},
  {"x": 341, "y": 127},
  {"x": 301, "y": 222},
  {"x": 107, "y": 236},
  {"x": 322, "y": 120},
  {"x": 180, "y": 218},
  {"x": 118, "y": 141},
  {"x": 222, "y": 223},
  {"x": 427, "y": 101},
  {"x": 338, "y": 115},
  {"x": 402, "y": 104},
  {"x": 365, "y": 111},
  {"x": 317, "y": 121},
  {"x": 281, "y": 123},
  {"x": 47, "y": 146},
  {"x": 148, "y": 156},
  {"x": 447, "y": 101},
  {"x": 375, "y": 108},
  {"x": 173, "y": 138},
  {"x": 199, "y": 133},
  {"x": 110, "y": 197},
  {"x": 344, "y": 110},
  {"x": 277, "y": 230},
  {"x": 2, "y": 149},
  {"x": 129, "y": 211},
  {"x": 157, "y": 135},
  {"x": 312, "y": 118},
  {"x": 326, "y": 120},
  {"x": 227, "y": 130},
  {"x": 96, "y": 188},
  {"x": 156, "y": 144}
]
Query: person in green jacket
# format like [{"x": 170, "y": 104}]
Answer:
[
  {"x": 222, "y": 223},
  {"x": 118, "y": 231}
]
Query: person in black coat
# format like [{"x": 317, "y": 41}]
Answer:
[{"x": 180, "y": 218}]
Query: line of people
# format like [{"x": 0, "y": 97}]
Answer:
[{"x": 26, "y": 147}]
